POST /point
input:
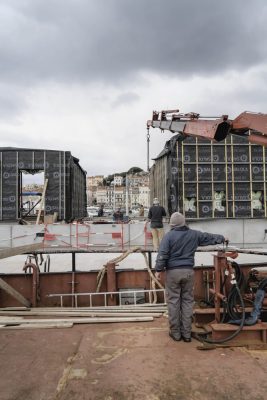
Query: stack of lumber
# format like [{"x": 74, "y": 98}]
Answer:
[{"x": 64, "y": 317}]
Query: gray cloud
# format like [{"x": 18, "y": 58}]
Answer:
[
  {"x": 108, "y": 40},
  {"x": 68, "y": 66},
  {"x": 125, "y": 99},
  {"x": 12, "y": 101}
]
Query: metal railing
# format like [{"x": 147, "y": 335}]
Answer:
[
  {"x": 12, "y": 236},
  {"x": 106, "y": 294}
]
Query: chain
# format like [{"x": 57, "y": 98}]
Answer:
[
  {"x": 148, "y": 140},
  {"x": 148, "y": 134}
]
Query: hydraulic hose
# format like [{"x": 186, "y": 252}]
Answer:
[
  {"x": 233, "y": 296},
  {"x": 232, "y": 302},
  {"x": 234, "y": 334},
  {"x": 233, "y": 299}
]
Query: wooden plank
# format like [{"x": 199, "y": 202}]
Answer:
[
  {"x": 76, "y": 314},
  {"x": 14, "y": 251},
  {"x": 83, "y": 310},
  {"x": 42, "y": 202},
  {"x": 76, "y": 320},
  {"x": 230, "y": 327},
  {"x": 15, "y": 309},
  {"x": 212, "y": 310},
  {"x": 37, "y": 326},
  {"x": 100, "y": 309},
  {"x": 12, "y": 292}
]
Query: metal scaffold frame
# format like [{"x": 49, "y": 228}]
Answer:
[{"x": 119, "y": 294}]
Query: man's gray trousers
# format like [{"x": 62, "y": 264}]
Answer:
[{"x": 180, "y": 298}]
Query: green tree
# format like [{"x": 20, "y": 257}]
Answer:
[{"x": 134, "y": 170}]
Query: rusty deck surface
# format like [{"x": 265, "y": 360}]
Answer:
[{"x": 124, "y": 362}]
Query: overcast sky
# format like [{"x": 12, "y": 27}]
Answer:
[{"x": 84, "y": 75}]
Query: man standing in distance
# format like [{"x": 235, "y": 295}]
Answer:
[
  {"x": 177, "y": 257},
  {"x": 101, "y": 211},
  {"x": 155, "y": 216}
]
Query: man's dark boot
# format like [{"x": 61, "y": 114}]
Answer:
[
  {"x": 175, "y": 336},
  {"x": 187, "y": 339}
]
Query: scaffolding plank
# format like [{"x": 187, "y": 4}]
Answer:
[
  {"x": 12, "y": 292},
  {"x": 77, "y": 320},
  {"x": 14, "y": 251}
]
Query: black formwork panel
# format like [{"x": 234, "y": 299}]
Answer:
[
  {"x": 66, "y": 187},
  {"x": 240, "y": 191},
  {"x": 204, "y": 172},
  {"x": 189, "y": 155},
  {"x": 242, "y": 172},
  {"x": 205, "y": 209},
  {"x": 204, "y": 153},
  {"x": 9, "y": 185},
  {"x": 205, "y": 191},
  {"x": 188, "y": 200},
  {"x": 258, "y": 193},
  {"x": 54, "y": 172},
  {"x": 242, "y": 209},
  {"x": 189, "y": 172},
  {"x": 257, "y": 172},
  {"x": 238, "y": 153},
  {"x": 257, "y": 154},
  {"x": 26, "y": 160},
  {"x": 240, "y": 199},
  {"x": 77, "y": 193},
  {"x": 220, "y": 200},
  {"x": 237, "y": 140},
  {"x": 218, "y": 154},
  {"x": 39, "y": 160},
  {"x": 220, "y": 172}
]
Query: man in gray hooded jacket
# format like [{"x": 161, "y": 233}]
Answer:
[{"x": 177, "y": 255}]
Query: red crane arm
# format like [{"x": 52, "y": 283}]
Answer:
[{"x": 249, "y": 124}]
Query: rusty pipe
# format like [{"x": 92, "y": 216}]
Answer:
[
  {"x": 35, "y": 280},
  {"x": 219, "y": 295},
  {"x": 111, "y": 282}
]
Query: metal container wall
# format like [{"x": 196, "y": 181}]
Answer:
[
  {"x": 78, "y": 189},
  {"x": 158, "y": 182},
  {"x": 215, "y": 180}
]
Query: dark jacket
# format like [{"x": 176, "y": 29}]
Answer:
[
  {"x": 118, "y": 216},
  {"x": 155, "y": 214},
  {"x": 178, "y": 246},
  {"x": 100, "y": 212}
]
